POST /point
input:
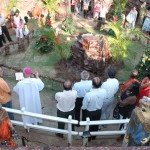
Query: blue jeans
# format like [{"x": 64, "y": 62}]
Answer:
[{"x": 9, "y": 105}]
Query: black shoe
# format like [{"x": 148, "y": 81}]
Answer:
[
  {"x": 89, "y": 139},
  {"x": 59, "y": 135},
  {"x": 77, "y": 125},
  {"x": 93, "y": 137},
  {"x": 120, "y": 138}
]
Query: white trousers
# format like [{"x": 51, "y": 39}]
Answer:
[{"x": 19, "y": 33}]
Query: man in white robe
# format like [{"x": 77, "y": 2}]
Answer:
[{"x": 29, "y": 97}]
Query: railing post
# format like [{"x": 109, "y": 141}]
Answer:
[
  {"x": 69, "y": 131},
  {"x": 85, "y": 140},
  {"x": 23, "y": 119}
]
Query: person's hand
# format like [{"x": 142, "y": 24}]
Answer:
[
  {"x": 145, "y": 140},
  {"x": 36, "y": 74}
]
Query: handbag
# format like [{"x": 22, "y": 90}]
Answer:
[
  {"x": 14, "y": 25},
  {"x": 116, "y": 114}
]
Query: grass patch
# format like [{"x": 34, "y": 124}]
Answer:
[{"x": 135, "y": 51}]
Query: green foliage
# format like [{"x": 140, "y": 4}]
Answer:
[
  {"x": 45, "y": 40},
  {"x": 144, "y": 63},
  {"x": 118, "y": 42},
  {"x": 52, "y": 5},
  {"x": 119, "y": 8},
  {"x": 48, "y": 21},
  {"x": 121, "y": 39},
  {"x": 64, "y": 50},
  {"x": 11, "y": 4},
  {"x": 135, "y": 34},
  {"x": 68, "y": 26}
]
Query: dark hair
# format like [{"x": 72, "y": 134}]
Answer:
[
  {"x": 67, "y": 85},
  {"x": 96, "y": 82},
  {"x": 135, "y": 88},
  {"x": 134, "y": 74},
  {"x": 111, "y": 72},
  {"x": 26, "y": 19},
  {"x": 42, "y": 15}
]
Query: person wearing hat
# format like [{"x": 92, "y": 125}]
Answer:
[
  {"x": 28, "y": 91},
  {"x": 5, "y": 94}
]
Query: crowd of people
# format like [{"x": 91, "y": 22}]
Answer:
[
  {"x": 99, "y": 10},
  {"x": 87, "y": 98}
]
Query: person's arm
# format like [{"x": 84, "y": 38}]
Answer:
[
  {"x": 145, "y": 140},
  {"x": 39, "y": 81},
  {"x": 128, "y": 101},
  {"x": 57, "y": 97},
  {"x": 85, "y": 102},
  {"x": 16, "y": 89}
]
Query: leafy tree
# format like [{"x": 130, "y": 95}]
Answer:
[
  {"x": 119, "y": 8},
  {"x": 52, "y": 5},
  {"x": 118, "y": 42},
  {"x": 120, "y": 38},
  {"x": 144, "y": 63},
  {"x": 11, "y": 4}
]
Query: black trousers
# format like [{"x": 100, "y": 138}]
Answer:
[
  {"x": 61, "y": 114},
  {"x": 5, "y": 31},
  {"x": 101, "y": 21},
  {"x": 78, "y": 106},
  {"x": 72, "y": 8},
  {"x": 93, "y": 115},
  {"x": 1, "y": 39}
]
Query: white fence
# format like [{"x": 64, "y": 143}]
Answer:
[{"x": 68, "y": 121}]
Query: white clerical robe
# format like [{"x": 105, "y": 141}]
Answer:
[{"x": 29, "y": 97}]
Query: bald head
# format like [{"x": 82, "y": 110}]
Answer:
[
  {"x": 67, "y": 85},
  {"x": 96, "y": 82},
  {"x": 134, "y": 74}
]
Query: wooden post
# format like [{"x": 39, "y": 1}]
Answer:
[
  {"x": 85, "y": 140},
  {"x": 69, "y": 131}
]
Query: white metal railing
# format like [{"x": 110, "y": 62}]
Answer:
[
  {"x": 68, "y": 121},
  {"x": 87, "y": 124}
]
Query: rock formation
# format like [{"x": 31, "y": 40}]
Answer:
[{"x": 91, "y": 53}]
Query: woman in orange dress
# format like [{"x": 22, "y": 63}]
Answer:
[{"x": 6, "y": 129}]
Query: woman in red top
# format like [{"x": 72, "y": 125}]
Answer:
[{"x": 145, "y": 86}]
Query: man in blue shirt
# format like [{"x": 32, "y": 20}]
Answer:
[
  {"x": 82, "y": 88},
  {"x": 93, "y": 102}
]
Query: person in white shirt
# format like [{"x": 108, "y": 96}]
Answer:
[
  {"x": 93, "y": 102},
  {"x": 19, "y": 26},
  {"x": 4, "y": 29},
  {"x": 111, "y": 85},
  {"x": 29, "y": 97},
  {"x": 103, "y": 12},
  {"x": 82, "y": 88},
  {"x": 65, "y": 104}
]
